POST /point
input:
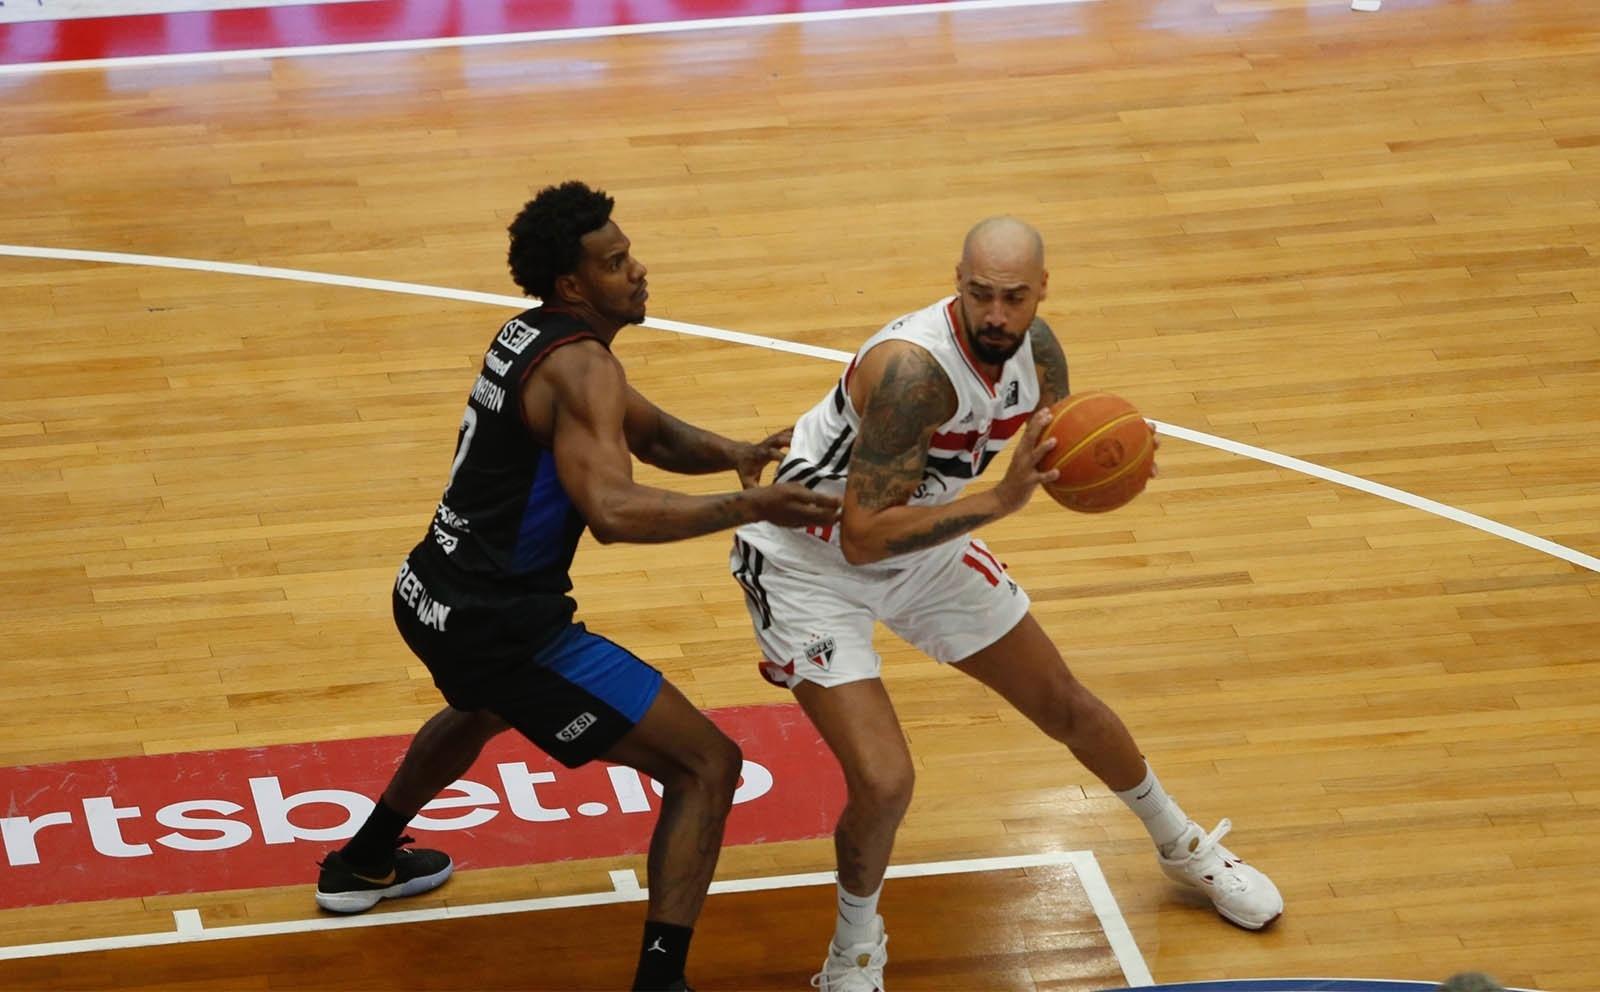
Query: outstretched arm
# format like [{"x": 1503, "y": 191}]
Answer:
[
  {"x": 660, "y": 439},
  {"x": 588, "y": 397},
  {"x": 907, "y": 397}
]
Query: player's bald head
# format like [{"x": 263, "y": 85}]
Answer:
[
  {"x": 1003, "y": 241},
  {"x": 1000, "y": 280}
]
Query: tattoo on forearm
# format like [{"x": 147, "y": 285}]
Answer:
[
  {"x": 1050, "y": 360},
  {"x": 937, "y": 533},
  {"x": 688, "y": 450},
  {"x": 720, "y": 515},
  {"x": 664, "y": 517},
  {"x": 913, "y": 398}
]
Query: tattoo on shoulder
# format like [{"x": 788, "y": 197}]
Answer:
[
  {"x": 1051, "y": 362},
  {"x": 912, "y": 399}
]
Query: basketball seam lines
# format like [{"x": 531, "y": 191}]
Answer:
[
  {"x": 1095, "y": 436},
  {"x": 1113, "y": 477}
]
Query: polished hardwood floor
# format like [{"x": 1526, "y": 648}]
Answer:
[
  {"x": 1364, "y": 240},
  {"x": 1030, "y": 928}
]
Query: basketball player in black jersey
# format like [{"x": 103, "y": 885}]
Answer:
[{"x": 544, "y": 452}]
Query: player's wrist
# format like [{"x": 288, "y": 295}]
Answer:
[
  {"x": 1008, "y": 497},
  {"x": 749, "y": 504}
]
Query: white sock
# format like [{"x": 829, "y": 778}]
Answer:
[
  {"x": 1162, "y": 816},
  {"x": 858, "y": 918}
]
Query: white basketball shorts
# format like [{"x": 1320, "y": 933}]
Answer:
[{"x": 814, "y": 618}]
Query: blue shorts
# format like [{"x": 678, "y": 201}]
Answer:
[
  {"x": 580, "y": 695},
  {"x": 574, "y": 695}
]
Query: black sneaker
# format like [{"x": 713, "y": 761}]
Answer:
[{"x": 343, "y": 889}]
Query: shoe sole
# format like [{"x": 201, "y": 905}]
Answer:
[
  {"x": 1246, "y": 925},
  {"x": 360, "y": 902},
  {"x": 1242, "y": 924}
]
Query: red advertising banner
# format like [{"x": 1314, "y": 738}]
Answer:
[
  {"x": 259, "y": 817},
  {"x": 35, "y": 31}
]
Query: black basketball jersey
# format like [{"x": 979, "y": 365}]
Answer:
[{"x": 504, "y": 526}]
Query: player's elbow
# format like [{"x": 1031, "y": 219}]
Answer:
[
  {"x": 605, "y": 531},
  {"x": 608, "y": 523},
  {"x": 857, "y": 551}
]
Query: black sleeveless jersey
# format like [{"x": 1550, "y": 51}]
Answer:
[{"x": 505, "y": 530}]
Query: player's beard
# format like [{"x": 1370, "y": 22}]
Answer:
[
  {"x": 632, "y": 313},
  {"x": 990, "y": 354},
  {"x": 636, "y": 308}
]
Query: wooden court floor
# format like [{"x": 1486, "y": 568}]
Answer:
[
  {"x": 1363, "y": 241},
  {"x": 1022, "y": 928}
]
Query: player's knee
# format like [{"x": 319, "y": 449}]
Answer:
[
  {"x": 884, "y": 790},
  {"x": 714, "y": 764},
  {"x": 1066, "y": 709},
  {"x": 726, "y": 765}
]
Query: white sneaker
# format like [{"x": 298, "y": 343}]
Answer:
[
  {"x": 857, "y": 968},
  {"x": 1242, "y": 894}
]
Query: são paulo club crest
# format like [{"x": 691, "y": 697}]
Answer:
[
  {"x": 980, "y": 447},
  {"x": 819, "y": 651}
]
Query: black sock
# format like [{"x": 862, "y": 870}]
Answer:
[
  {"x": 662, "y": 955},
  {"x": 373, "y": 844}
]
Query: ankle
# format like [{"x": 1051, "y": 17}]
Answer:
[
  {"x": 857, "y": 919},
  {"x": 663, "y": 953},
  {"x": 373, "y": 845}
]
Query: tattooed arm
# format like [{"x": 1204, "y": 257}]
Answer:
[
  {"x": 660, "y": 439},
  {"x": 904, "y": 396},
  {"x": 1050, "y": 362},
  {"x": 576, "y": 403}
]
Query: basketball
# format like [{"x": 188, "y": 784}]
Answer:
[{"x": 1104, "y": 452}]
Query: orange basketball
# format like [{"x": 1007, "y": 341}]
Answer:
[{"x": 1104, "y": 452}]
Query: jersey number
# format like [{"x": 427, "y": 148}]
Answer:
[{"x": 469, "y": 425}]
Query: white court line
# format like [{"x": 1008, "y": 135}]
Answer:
[
  {"x": 1389, "y": 492},
  {"x": 554, "y": 34},
  {"x": 187, "y": 921},
  {"x": 1532, "y": 541},
  {"x": 625, "y": 880},
  {"x": 1134, "y": 970},
  {"x": 190, "y": 929}
]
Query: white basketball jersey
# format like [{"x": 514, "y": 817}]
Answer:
[{"x": 987, "y": 414}]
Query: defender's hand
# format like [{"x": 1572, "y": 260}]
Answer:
[
  {"x": 753, "y": 458},
  {"x": 790, "y": 504}
]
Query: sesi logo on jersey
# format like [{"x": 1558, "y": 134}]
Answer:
[
  {"x": 516, "y": 336},
  {"x": 575, "y": 729}
]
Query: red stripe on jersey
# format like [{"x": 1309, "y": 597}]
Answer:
[
  {"x": 1001, "y": 430},
  {"x": 961, "y": 345},
  {"x": 821, "y": 532},
  {"x": 981, "y": 568},
  {"x": 974, "y": 547}
]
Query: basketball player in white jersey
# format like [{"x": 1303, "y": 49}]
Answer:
[{"x": 920, "y": 411}]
